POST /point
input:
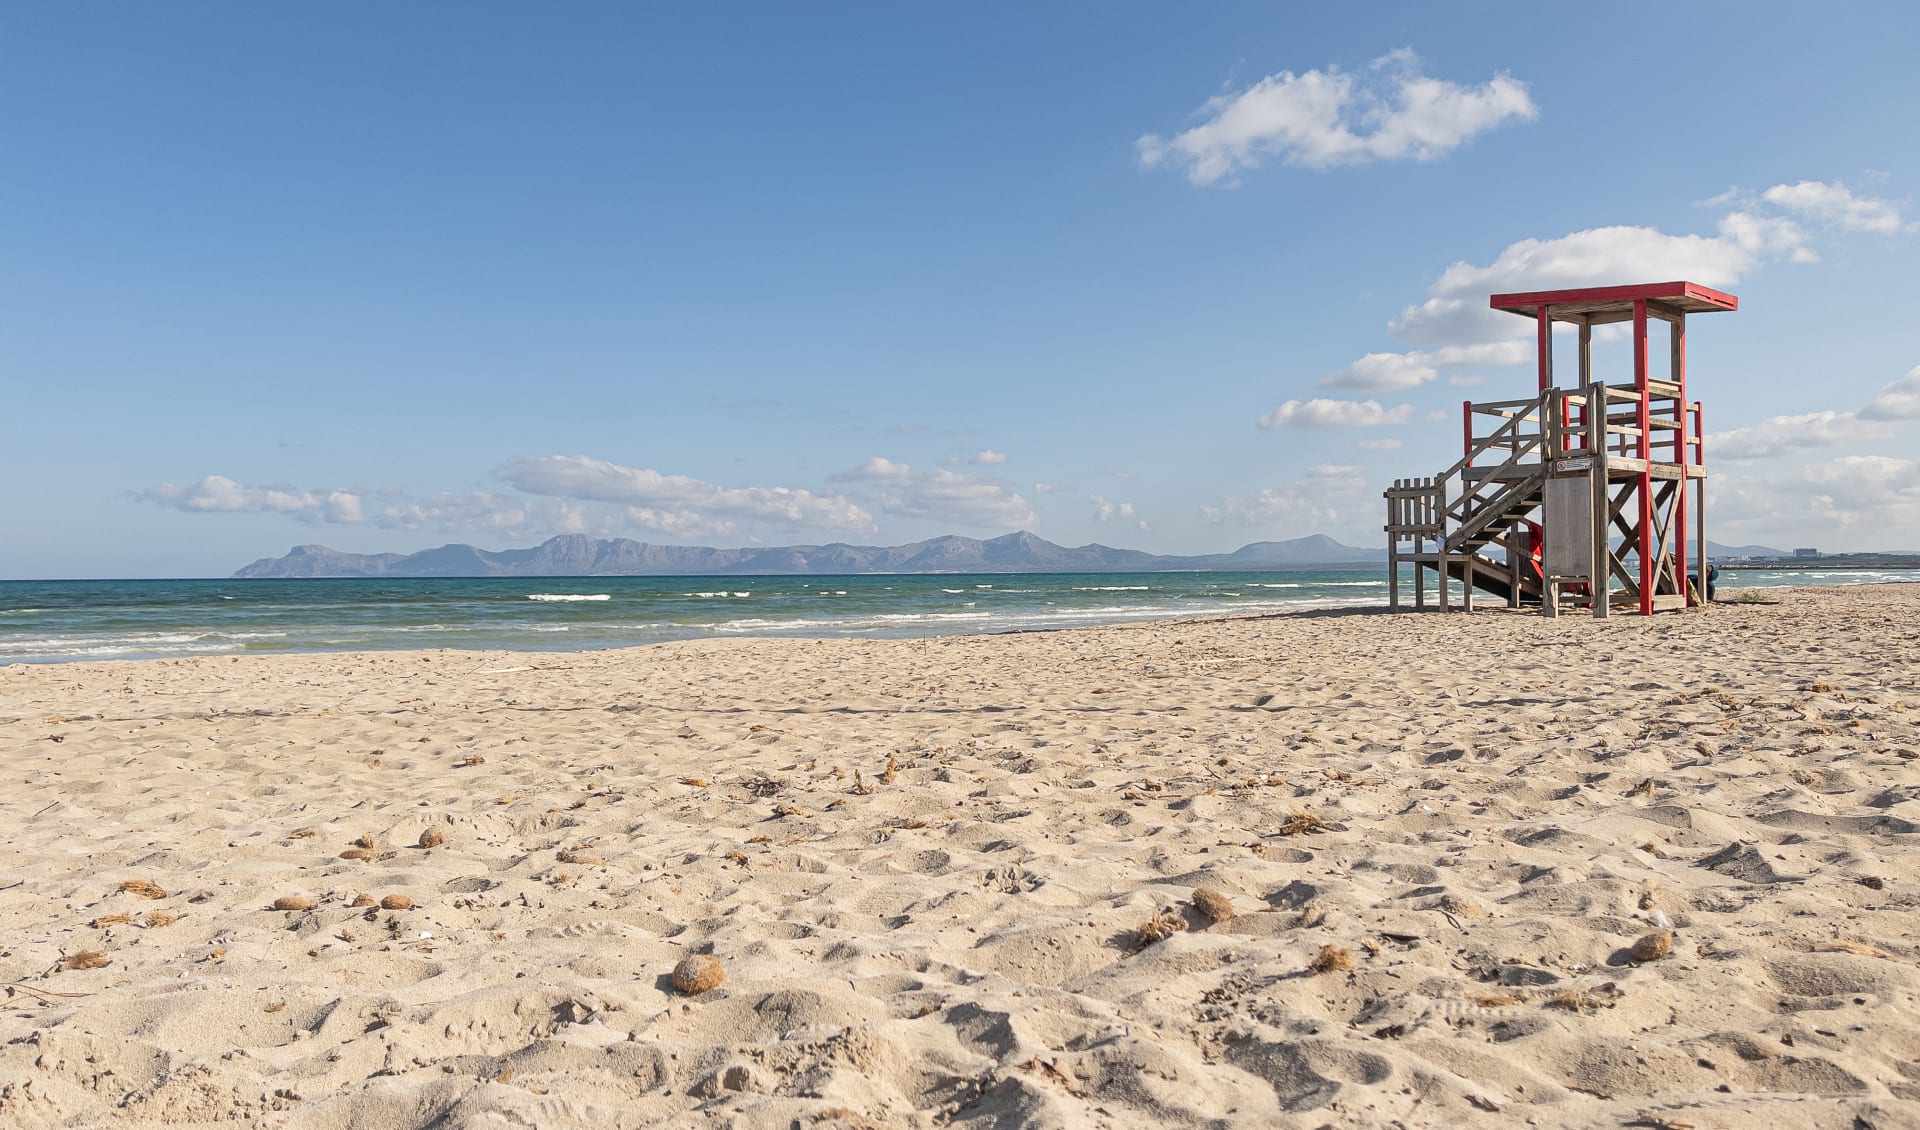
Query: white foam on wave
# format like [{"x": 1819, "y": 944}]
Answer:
[
  {"x": 1112, "y": 588},
  {"x": 567, "y": 597}
]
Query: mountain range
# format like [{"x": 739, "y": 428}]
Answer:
[{"x": 578, "y": 555}]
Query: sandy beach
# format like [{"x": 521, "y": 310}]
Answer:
[{"x": 953, "y": 881}]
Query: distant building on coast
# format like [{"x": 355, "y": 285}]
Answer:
[{"x": 1803, "y": 554}]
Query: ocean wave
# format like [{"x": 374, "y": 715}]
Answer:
[
  {"x": 1112, "y": 588},
  {"x": 57, "y": 643},
  {"x": 568, "y": 596}
]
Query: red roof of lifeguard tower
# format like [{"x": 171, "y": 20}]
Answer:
[{"x": 1598, "y": 305}]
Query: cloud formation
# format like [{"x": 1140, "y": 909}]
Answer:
[
  {"x": 1322, "y": 118},
  {"x": 1832, "y": 202},
  {"x": 986, "y": 458},
  {"x": 386, "y": 509},
  {"x": 1383, "y": 372},
  {"x": 678, "y": 504},
  {"x": 1454, "y": 328},
  {"x": 1104, "y": 511},
  {"x": 1897, "y": 401},
  {"x": 1783, "y": 435},
  {"x": 1327, "y": 495},
  {"x": 938, "y": 494},
  {"x": 1324, "y": 413},
  {"x": 574, "y": 494},
  {"x": 1863, "y": 494},
  {"x": 1874, "y": 495},
  {"x": 217, "y": 494}
]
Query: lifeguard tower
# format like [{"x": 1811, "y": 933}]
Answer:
[{"x": 1579, "y": 495}]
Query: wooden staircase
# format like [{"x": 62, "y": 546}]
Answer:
[{"x": 1473, "y": 522}]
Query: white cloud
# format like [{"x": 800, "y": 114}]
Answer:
[
  {"x": 1049, "y": 488},
  {"x": 1456, "y": 311},
  {"x": 1454, "y": 327},
  {"x": 1319, "y": 119},
  {"x": 1379, "y": 372},
  {"x": 946, "y": 496},
  {"x": 1782, "y": 435},
  {"x": 987, "y": 458},
  {"x": 1460, "y": 380},
  {"x": 1327, "y": 495},
  {"x": 1866, "y": 500},
  {"x": 1324, "y": 413},
  {"x": 1897, "y": 401},
  {"x": 1378, "y": 445},
  {"x": 1834, "y": 203},
  {"x": 1104, "y": 511},
  {"x": 488, "y": 512},
  {"x": 678, "y": 504},
  {"x": 1869, "y": 496},
  {"x": 387, "y": 508},
  {"x": 217, "y": 494}
]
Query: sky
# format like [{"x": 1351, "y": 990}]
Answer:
[{"x": 1171, "y": 277}]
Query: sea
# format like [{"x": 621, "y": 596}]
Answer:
[{"x": 59, "y": 621}]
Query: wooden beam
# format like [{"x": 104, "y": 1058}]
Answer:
[
  {"x": 1599, "y": 575},
  {"x": 1544, "y": 332},
  {"x": 1700, "y": 500}
]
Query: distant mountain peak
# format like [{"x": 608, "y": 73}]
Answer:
[{"x": 575, "y": 555}]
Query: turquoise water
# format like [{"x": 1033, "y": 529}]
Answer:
[
  {"x": 52, "y": 621},
  {"x": 48, "y": 621}
]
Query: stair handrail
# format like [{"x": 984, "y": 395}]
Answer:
[{"x": 1484, "y": 443}]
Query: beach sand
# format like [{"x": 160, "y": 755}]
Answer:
[{"x": 953, "y": 880}]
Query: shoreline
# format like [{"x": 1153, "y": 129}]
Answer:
[
  {"x": 925, "y": 865},
  {"x": 181, "y": 643}
]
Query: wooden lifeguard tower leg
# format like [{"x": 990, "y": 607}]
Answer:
[{"x": 1600, "y": 576}]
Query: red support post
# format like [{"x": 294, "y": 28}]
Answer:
[
  {"x": 1680, "y": 448},
  {"x": 1645, "y": 415},
  {"x": 1466, "y": 430}
]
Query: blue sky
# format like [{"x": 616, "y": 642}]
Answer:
[{"x": 383, "y": 277}]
